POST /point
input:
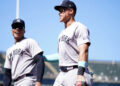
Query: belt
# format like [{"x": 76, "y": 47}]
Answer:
[
  {"x": 67, "y": 68},
  {"x": 21, "y": 77}
]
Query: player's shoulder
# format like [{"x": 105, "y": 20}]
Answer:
[
  {"x": 10, "y": 48},
  {"x": 80, "y": 25},
  {"x": 30, "y": 40},
  {"x": 27, "y": 39},
  {"x": 81, "y": 28}
]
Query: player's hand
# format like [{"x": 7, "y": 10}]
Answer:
[
  {"x": 38, "y": 84},
  {"x": 81, "y": 81}
]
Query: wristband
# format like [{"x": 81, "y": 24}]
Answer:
[
  {"x": 81, "y": 67},
  {"x": 82, "y": 64},
  {"x": 81, "y": 70}
]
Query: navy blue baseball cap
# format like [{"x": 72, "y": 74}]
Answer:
[
  {"x": 66, "y": 4},
  {"x": 18, "y": 22}
]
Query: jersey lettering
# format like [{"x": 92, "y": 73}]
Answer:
[
  {"x": 16, "y": 52},
  {"x": 64, "y": 38}
]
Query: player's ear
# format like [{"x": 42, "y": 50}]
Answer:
[{"x": 71, "y": 11}]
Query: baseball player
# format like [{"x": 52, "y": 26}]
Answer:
[
  {"x": 73, "y": 44},
  {"x": 24, "y": 64}
]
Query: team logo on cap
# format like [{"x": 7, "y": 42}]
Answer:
[
  {"x": 70, "y": 5},
  {"x": 18, "y": 20}
]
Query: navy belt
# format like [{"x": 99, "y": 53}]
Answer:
[
  {"x": 21, "y": 77},
  {"x": 67, "y": 68}
]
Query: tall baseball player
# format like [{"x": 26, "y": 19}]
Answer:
[
  {"x": 24, "y": 62},
  {"x": 73, "y": 44}
]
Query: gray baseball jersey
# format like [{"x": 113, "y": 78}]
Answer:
[
  {"x": 19, "y": 57},
  {"x": 69, "y": 40}
]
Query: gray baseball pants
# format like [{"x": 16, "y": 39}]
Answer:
[
  {"x": 26, "y": 81},
  {"x": 69, "y": 78}
]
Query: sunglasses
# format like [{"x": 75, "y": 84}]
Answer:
[
  {"x": 18, "y": 26},
  {"x": 62, "y": 10}
]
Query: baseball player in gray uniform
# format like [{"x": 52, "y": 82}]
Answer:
[
  {"x": 24, "y": 64},
  {"x": 73, "y": 44}
]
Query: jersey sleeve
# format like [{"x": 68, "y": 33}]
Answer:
[
  {"x": 82, "y": 35},
  {"x": 7, "y": 63},
  {"x": 34, "y": 48}
]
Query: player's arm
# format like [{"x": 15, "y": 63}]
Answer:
[
  {"x": 7, "y": 77},
  {"x": 82, "y": 63},
  {"x": 40, "y": 68}
]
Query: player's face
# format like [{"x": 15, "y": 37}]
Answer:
[
  {"x": 18, "y": 32},
  {"x": 64, "y": 14}
]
